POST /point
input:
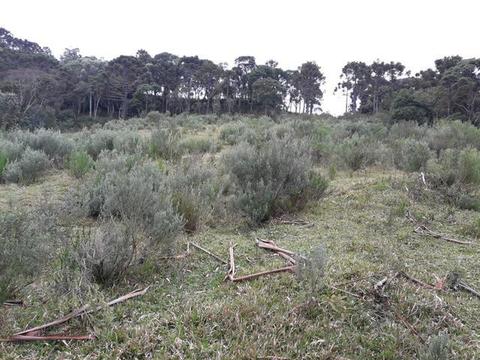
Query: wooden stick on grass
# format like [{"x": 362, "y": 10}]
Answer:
[
  {"x": 209, "y": 253},
  {"x": 423, "y": 230},
  {"x": 268, "y": 272},
  {"x": 84, "y": 310}
]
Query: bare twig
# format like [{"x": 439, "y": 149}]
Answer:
[
  {"x": 231, "y": 269},
  {"x": 13, "y": 303},
  {"x": 84, "y": 310},
  {"x": 423, "y": 230},
  {"x": 416, "y": 281},
  {"x": 268, "y": 272},
  {"x": 209, "y": 253},
  {"x": 469, "y": 289},
  {"x": 270, "y": 245},
  {"x": 56, "y": 337}
]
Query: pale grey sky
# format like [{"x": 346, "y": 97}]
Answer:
[{"x": 414, "y": 32}]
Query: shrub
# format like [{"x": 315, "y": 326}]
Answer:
[
  {"x": 231, "y": 133},
  {"x": 97, "y": 142},
  {"x": 128, "y": 142},
  {"x": 25, "y": 238},
  {"x": 135, "y": 194},
  {"x": 106, "y": 254},
  {"x": 195, "y": 190},
  {"x": 196, "y": 145},
  {"x": 310, "y": 270},
  {"x": 28, "y": 168},
  {"x": 154, "y": 116},
  {"x": 357, "y": 152},
  {"x": 79, "y": 163},
  {"x": 3, "y": 163},
  {"x": 12, "y": 150},
  {"x": 55, "y": 145},
  {"x": 164, "y": 143},
  {"x": 269, "y": 179},
  {"x": 411, "y": 155}
]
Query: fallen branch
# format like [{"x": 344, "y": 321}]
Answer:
[
  {"x": 268, "y": 272},
  {"x": 423, "y": 230},
  {"x": 209, "y": 253},
  {"x": 84, "y": 310},
  {"x": 416, "y": 281},
  {"x": 56, "y": 337},
  {"x": 13, "y": 303},
  {"x": 231, "y": 268},
  {"x": 270, "y": 245}
]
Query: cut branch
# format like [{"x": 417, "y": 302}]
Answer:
[
  {"x": 416, "y": 281},
  {"x": 84, "y": 310},
  {"x": 209, "y": 253},
  {"x": 263, "y": 273},
  {"x": 57, "y": 337},
  {"x": 423, "y": 230}
]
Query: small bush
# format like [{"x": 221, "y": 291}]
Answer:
[
  {"x": 154, "y": 116},
  {"x": 55, "y": 145},
  {"x": 195, "y": 190},
  {"x": 310, "y": 270},
  {"x": 231, "y": 133},
  {"x": 357, "y": 152},
  {"x": 28, "y": 168},
  {"x": 79, "y": 163},
  {"x": 97, "y": 142},
  {"x": 270, "y": 179},
  {"x": 411, "y": 155},
  {"x": 25, "y": 241},
  {"x": 136, "y": 194},
  {"x": 128, "y": 142},
  {"x": 105, "y": 255},
  {"x": 164, "y": 144},
  {"x": 3, "y": 163},
  {"x": 12, "y": 150},
  {"x": 196, "y": 145}
]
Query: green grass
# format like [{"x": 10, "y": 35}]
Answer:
[{"x": 191, "y": 313}]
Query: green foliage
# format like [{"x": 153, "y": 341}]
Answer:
[
  {"x": 25, "y": 240},
  {"x": 106, "y": 253},
  {"x": 79, "y": 163},
  {"x": 196, "y": 145},
  {"x": 438, "y": 348},
  {"x": 164, "y": 144},
  {"x": 28, "y": 168},
  {"x": 408, "y": 106},
  {"x": 195, "y": 191},
  {"x": 54, "y": 144},
  {"x": 98, "y": 141},
  {"x": 3, "y": 163},
  {"x": 310, "y": 270},
  {"x": 411, "y": 155},
  {"x": 270, "y": 179},
  {"x": 131, "y": 192},
  {"x": 357, "y": 152}
]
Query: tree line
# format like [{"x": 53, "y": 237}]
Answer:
[{"x": 36, "y": 89}]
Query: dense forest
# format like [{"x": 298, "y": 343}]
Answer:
[{"x": 38, "y": 90}]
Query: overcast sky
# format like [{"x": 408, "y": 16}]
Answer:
[{"x": 329, "y": 32}]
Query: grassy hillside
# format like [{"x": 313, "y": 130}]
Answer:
[{"x": 348, "y": 298}]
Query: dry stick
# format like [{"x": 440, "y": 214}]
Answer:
[
  {"x": 231, "y": 269},
  {"x": 408, "y": 325},
  {"x": 268, "y": 272},
  {"x": 469, "y": 289},
  {"x": 270, "y": 245},
  {"x": 59, "y": 337},
  {"x": 423, "y": 230},
  {"x": 82, "y": 311},
  {"x": 13, "y": 303},
  {"x": 209, "y": 253},
  {"x": 416, "y": 281}
]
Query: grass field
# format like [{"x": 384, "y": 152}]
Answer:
[
  {"x": 359, "y": 227},
  {"x": 190, "y": 312}
]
